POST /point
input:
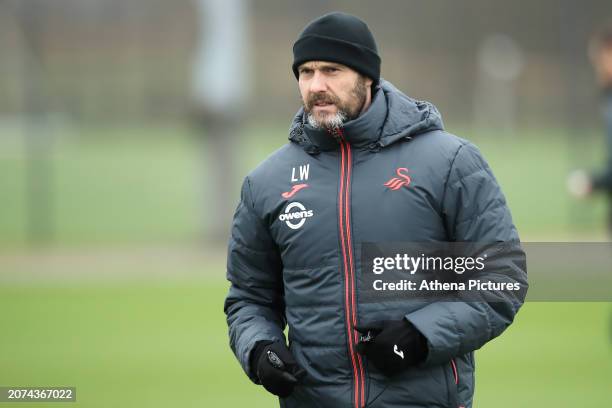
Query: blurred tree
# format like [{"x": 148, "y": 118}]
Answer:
[
  {"x": 500, "y": 63},
  {"x": 31, "y": 20},
  {"x": 220, "y": 89}
]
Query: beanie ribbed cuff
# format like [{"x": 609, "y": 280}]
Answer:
[{"x": 321, "y": 48}]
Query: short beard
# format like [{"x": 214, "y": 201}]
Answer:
[
  {"x": 345, "y": 112},
  {"x": 333, "y": 122}
]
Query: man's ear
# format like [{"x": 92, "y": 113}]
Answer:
[{"x": 368, "y": 81}]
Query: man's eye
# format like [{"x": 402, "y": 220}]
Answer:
[{"x": 331, "y": 69}]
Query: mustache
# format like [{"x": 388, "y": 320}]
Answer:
[{"x": 321, "y": 97}]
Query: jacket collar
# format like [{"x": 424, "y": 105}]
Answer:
[
  {"x": 391, "y": 117},
  {"x": 362, "y": 131}
]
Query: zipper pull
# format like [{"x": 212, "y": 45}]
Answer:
[{"x": 337, "y": 134}]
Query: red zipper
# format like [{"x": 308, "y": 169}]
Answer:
[
  {"x": 349, "y": 269},
  {"x": 456, "y": 377},
  {"x": 455, "y": 374}
]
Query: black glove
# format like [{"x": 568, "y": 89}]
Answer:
[
  {"x": 275, "y": 367},
  {"x": 392, "y": 345}
]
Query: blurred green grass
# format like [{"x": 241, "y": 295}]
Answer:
[
  {"x": 108, "y": 187},
  {"x": 146, "y": 184},
  {"x": 160, "y": 345}
]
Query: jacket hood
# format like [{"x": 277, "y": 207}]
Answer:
[{"x": 392, "y": 116}]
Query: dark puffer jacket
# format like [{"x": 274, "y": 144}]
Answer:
[{"x": 294, "y": 253}]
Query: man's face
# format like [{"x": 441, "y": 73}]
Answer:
[
  {"x": 603, "y": 65},
  {"x": 332, "y": 93}
]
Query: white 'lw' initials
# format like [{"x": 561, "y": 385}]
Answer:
[{"x": 303, "y": 173}]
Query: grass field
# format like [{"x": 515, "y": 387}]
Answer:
[
  {"x": 161, "y": 345},
  {"x": 147, "y": 330}
]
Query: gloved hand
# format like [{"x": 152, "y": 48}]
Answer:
[
  {"x": 276, "y": 368},
  {"x": 392, "y": 345}
]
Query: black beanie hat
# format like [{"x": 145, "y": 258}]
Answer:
[{"x": 341, "y": 38}]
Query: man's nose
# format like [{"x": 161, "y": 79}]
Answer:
[{"x": 318, "y": 83}]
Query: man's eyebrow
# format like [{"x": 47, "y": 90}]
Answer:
[
  {"x": 331, "y": 65},
  {"x": 321, "y": 66}
]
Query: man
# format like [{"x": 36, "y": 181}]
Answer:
[
  {"x": 365, "y": 163},
  {"x": 580, "y": 183}
]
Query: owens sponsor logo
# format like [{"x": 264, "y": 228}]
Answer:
[{"x": 295, "y": 215}]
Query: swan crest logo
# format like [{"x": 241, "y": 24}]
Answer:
[{"x": 402, "y": 180}]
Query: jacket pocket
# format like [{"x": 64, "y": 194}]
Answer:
[
  {"x": 465, "y": 379},
  {"x": 452, "y": 380}
]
